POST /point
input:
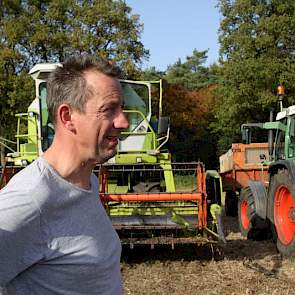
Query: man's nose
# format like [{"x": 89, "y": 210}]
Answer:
[{"x": 121, "y": 121}]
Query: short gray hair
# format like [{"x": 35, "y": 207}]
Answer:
[{"x": 67, "y": 83}]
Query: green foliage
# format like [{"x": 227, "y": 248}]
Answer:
[
  {"x": 191, "y": 74},
  {"x": 49, "y": 31},
  {"x": 15, "y": 91},
  {"x": 188, "y": 101},
  {"x": 36, "y": 31},
  {"x": 256, "y": 55},
  {"x": 190, "y": 112},
  {"x": 152, "y": 74}
]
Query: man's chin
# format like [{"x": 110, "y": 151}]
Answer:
[{"x": 104, "y": 157}]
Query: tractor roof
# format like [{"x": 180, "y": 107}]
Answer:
[
  {"x": 286, "y": 112},
  {"x": 37, "y": 72}
]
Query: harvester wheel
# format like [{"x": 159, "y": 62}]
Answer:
[
  {"x": 155, "y": 189},
  {"x": 282, "y": 211},
  {"x": 251, "y": 225},
  {"x": 144, "y": 187}
]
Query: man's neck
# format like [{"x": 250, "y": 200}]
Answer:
[{"x": 69, "y": 165}]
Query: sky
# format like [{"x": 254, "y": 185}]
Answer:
[{"x": 174, "y": 28}]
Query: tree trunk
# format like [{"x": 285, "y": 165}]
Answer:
[
  {"x": 2, "y": 151},
  {"x": 2, "y": 148}
]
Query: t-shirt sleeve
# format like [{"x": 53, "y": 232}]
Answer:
[{"x": 20, "y": 234}]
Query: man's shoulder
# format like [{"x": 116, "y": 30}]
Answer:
[
  {"x": 31, "y": 184},
  {"x": 20, "y": 199},
  {"x": 27, "y": 178}
]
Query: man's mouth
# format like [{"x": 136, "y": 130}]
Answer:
[{"x": 112, "y": 139}]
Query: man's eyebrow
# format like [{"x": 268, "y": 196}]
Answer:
[
  {"x": 109, "y": 103},
  {"x": 112, "y": 102},
  {"x": 113, "y": 95}
]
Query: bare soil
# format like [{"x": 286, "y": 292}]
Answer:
[{"x": 239, "y": 267}]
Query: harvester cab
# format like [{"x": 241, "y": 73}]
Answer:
[{"x": 147, "y": 132}]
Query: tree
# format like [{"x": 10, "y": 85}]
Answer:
[
  {"x": 48, "y": 31},
  {"x": 191, "y": 74},
  {"x": 256, "y": 55},
  {"x": 33, "y": 31},
  {"x": 190, "y": 112},
  {"x": 152, "y": 74},
  {"x": 189, "y": 100}
]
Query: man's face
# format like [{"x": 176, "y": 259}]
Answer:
[{"x": 98, "y": 129}]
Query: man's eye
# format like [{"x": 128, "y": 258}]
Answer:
[{"x": 110, "y": 110}]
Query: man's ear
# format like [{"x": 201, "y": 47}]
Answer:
[{"x": 64, "y": 114}]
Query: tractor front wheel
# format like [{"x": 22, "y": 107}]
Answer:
[
  {"x": 251, "y": 225},
  {"x": 282, "y": 193},
  {"x": 244, "y": 212}
]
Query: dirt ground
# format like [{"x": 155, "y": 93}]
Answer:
[{"x": 239, "y": 267}]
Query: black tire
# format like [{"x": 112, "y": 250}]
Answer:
[
  {"x": 231, "y": 204},
  {"x": 282, "y": 211},
  {"x": 251, "y": 225},
  {"x": 147, "y": 187}
]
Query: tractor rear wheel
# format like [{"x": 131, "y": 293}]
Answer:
[{"x": 282, "y": 211}]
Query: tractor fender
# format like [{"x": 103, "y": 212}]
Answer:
[
  {"x": 282, "y": 164},
  {"x": 260, "y": 198}
]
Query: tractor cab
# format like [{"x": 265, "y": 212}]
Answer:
[{"x": 284, "y": 147}]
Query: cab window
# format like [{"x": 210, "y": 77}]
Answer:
[{"x": 47, "y": 129}]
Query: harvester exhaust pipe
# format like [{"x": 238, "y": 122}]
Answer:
[{"x": 270, "y": 136}]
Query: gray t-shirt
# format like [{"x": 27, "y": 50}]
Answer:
[{"x": 56, "y": 238}]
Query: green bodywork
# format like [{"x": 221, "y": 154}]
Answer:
[
  {"x": 217, "y": 190},
  {"x": 284, "y": 147},
  {"x": 27, "y": 143},
  {"x": 274, "y": 126},
  {"x": 152, "y": 209}
]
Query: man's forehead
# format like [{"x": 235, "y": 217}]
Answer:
[
  {"x": 95, "y": 77},
  {"x": 102, "y": 85}
]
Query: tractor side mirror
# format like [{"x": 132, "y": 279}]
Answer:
[{"x": 246, "y": 135}]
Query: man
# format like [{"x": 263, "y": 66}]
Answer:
[{"x": 55, "y": 237}]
